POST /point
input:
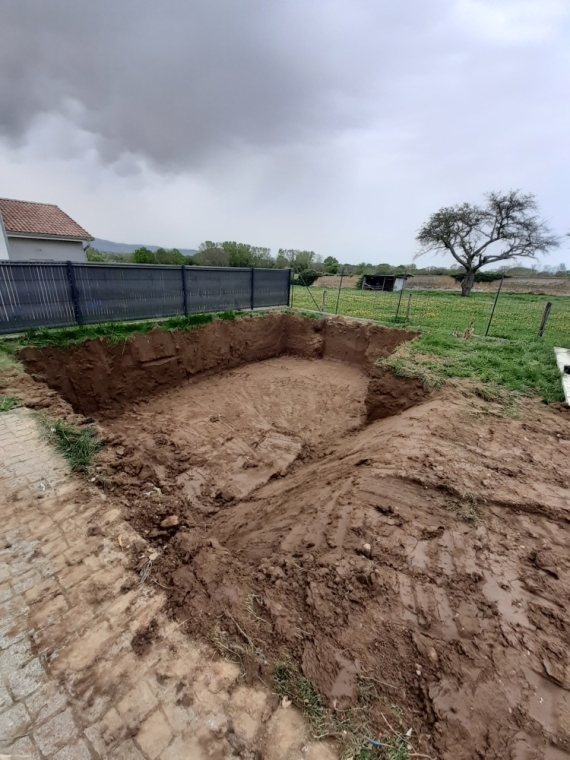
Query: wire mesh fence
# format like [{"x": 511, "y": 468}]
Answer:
[
  {"x": 516, "y": 315},
  {"x": 60, "y": 295}
]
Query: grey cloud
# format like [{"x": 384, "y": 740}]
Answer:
[
  {"x": 326, "y": 120},
  {"x": 174, "y": 80}
]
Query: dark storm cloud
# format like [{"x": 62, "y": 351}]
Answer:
[
  {"x": 172, "y": 80},
  {"x": 337, "y": 125}
]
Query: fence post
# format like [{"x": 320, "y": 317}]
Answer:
[
  {"x": 252, "y": 287},
  {"x": 184, "y": 296},
  {"x": 494, "y": 305},
  {"x": 290, "y": 288},
  {"x": 408, "y": 308},
  {"x": 401, "y": 294},
  {"x": 74, "y": 293},
  {"x": 308, "y": 290},
  {"x": 339, "y": 287},
  {"x": 544, "y": 319}
]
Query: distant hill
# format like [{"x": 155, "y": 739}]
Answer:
[{"x": 108, "y": 246}]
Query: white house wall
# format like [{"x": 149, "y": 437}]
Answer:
[
  {"x": 36, "y": 249},
  {"x": 3, "y": 242}
]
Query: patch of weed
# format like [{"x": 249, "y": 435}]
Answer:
[
  {"x": 397, "y": 749},
  {"x": 289, "y": 682},
  {"x": 7, "y": 403},
  {"x": 508, "y": 401},
  {"x": 350, "y": 727},
  {"x": 115, "y": 332},
  {"x": 527, "y": 367},
  {"x": 78, "y": 445},
  {"x": 8, "y": 361},
  {"x": 466, "y": 508},
  {"x": 309, "y": 314}
]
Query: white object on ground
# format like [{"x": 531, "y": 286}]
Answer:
[{"x": 563, "y": 360}]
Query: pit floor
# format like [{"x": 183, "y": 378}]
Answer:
[{"x": 242, "y": 427}]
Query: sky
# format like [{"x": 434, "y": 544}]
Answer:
[{"x": 336, "y": 126}]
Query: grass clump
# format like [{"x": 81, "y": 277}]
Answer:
[
  {"x": 527, "y": 367},
  {"x": 508, "y": 401},
  {"x": 349, "y": 727},
  {"x": 78, "y": 445},
  {"x": 290, "y": 683},
  {"x": 115, "y": 332},
  {"x": 8, "y": 362},
  {"x": 466, "y": 508},
  {"x": 7, "y": 403},
  {"x": 397, "y": 749}
]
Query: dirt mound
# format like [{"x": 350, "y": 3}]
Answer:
[{"x": 425, "y": 555}]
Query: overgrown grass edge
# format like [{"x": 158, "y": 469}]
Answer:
[
  {"x": 77, "y": 444},
  {"x": 114, "y": 332}
]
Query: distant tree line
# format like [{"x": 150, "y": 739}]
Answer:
[
  {"x": 306, "y": 262},
  {"x": 226, "y": 254},
  {"x": 505, "y": 228},
  {"x": 140, "y": 256}
]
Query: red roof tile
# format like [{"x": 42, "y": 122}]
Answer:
[{"x": 39, "y": 219}]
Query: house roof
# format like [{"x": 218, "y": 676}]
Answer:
[{"x": 44, "y": 219}]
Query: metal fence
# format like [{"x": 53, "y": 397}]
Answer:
[
  {"x": 496, "y": 314},
  {"x": 58, "y": 295}
]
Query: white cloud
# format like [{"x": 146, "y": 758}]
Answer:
[{"x": 512, "y": 21}]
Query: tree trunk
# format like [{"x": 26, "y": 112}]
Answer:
[{"x": 467, "y": 283}]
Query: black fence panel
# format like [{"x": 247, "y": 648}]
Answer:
[
  {"x": 34, "y": 295},
  {"x": 128, "y": 292},
  {"x": 57, "y": 295},
  {"x": 270, "y": 284},
  {"x": 218, "y": 288}
]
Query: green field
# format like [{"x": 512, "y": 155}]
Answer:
[{"x": 517, "y": 316}]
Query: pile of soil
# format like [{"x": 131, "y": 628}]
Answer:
[{"x": 425, "y": 554}]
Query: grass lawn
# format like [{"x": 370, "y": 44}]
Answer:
[
  {"x": 525, "y": 367},
  {"x": 514, "y": 358},
  {"x": 516, "y": 316}
]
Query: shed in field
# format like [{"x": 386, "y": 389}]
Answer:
[{"x": 383, "y": 282}]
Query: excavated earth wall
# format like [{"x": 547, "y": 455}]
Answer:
[{"x": 98, "y": 378}]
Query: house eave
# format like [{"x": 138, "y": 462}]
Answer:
[{"x": 43, "y": 236}]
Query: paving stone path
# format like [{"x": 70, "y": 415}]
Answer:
[{"x": 71, "y": 685}]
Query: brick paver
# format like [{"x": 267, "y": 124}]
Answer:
[
  {"x": 27, "y": 461},
  {"x": 71, "y": 687}
]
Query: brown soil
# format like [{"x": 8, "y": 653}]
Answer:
[
  {"x": 98, "y": 378},
  {"x": 425, "y": 553}
]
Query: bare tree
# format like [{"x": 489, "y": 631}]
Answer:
[{"x": 506, "y": 227}]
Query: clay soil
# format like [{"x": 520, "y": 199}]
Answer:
[{"x": 312, "y": 507}]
